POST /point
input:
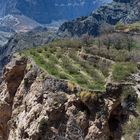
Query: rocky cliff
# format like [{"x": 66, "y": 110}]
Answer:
[
  {"x": 123, "y": 11},
  {"x": 37, "y": 106}
]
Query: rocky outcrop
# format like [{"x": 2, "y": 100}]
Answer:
[
  {"x": 36, "y": 106},
  {"x": 118, "y": 11},
  {"x": 12, "y": 75}
]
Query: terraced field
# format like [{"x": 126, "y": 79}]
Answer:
[{"x": 74, "y": 61}]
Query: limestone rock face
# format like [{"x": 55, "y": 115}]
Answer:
[
  {"x": 36, "y": 106},
  {"x": 12, "y": 76}
]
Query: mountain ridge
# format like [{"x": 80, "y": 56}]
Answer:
[
  {"x": 109, "y": 15},
  {"x": 51, "y": 10}
]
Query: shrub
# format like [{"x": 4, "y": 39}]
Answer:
[
  {"x": 121, "y": 55},
  {"x": 73, "y": 55},
  {"x": 52, "y": 50},
  {"x": 47, "y": 55},
  {"x": 40, "y": 60},
  {"x": 120, "y": 26},
  {"x": 39, "y": 50},
  {"x": 73, "y": 70},
  {"x": 86, "y": 96},
  {"x": 72, "y": 85},
  {"x": 51, "y": 68},
  {"x": 45, "y": 49},
  {"x": 59, "y": 53},
  {"x": 68, "y": 66},
  {"x": 62, "y": 75},
  {"x": 32, "y": 52},
  {"x": 122, "y": 70},
  {"x": 43, "y": 125},
  {"x": 80, "y": 79},
  {"x": 53, "y": 59},
  {"x": 26, "y": 82}
]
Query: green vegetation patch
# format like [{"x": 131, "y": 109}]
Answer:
[
  {"x": 122, "y": 70},
  {"x": 73, "y": 60},
  {"x": 130, "y": 27},
  {"x": 62, "y": 59}
]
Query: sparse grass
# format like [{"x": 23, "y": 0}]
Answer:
[
  {"x": 122, "y": 70},
  {"x": 135, "y": 27}
]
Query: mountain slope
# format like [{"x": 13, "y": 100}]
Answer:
[
  {"x": 18, "y": 23},
  {"x": 46, "y": 11},
  {"x": 118, "y": 11}
]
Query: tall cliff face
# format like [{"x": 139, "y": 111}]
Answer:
[
  {"x": 118, "y": 11},
  {"x": 40, "y": 107},
  {"x": 46, "y": 11}
]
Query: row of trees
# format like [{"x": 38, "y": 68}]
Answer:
[{"x": 117, "y": 40}]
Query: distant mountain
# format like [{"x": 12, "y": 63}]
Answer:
[
  {"x": 125, "y": 11},
  {"x": 46, "y": 11},
  {"x": 18, "y": 23}
]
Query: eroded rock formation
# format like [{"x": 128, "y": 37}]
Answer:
[
  {"x": 36, "y": 106},
  {"x": 12, "y": 76}
]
